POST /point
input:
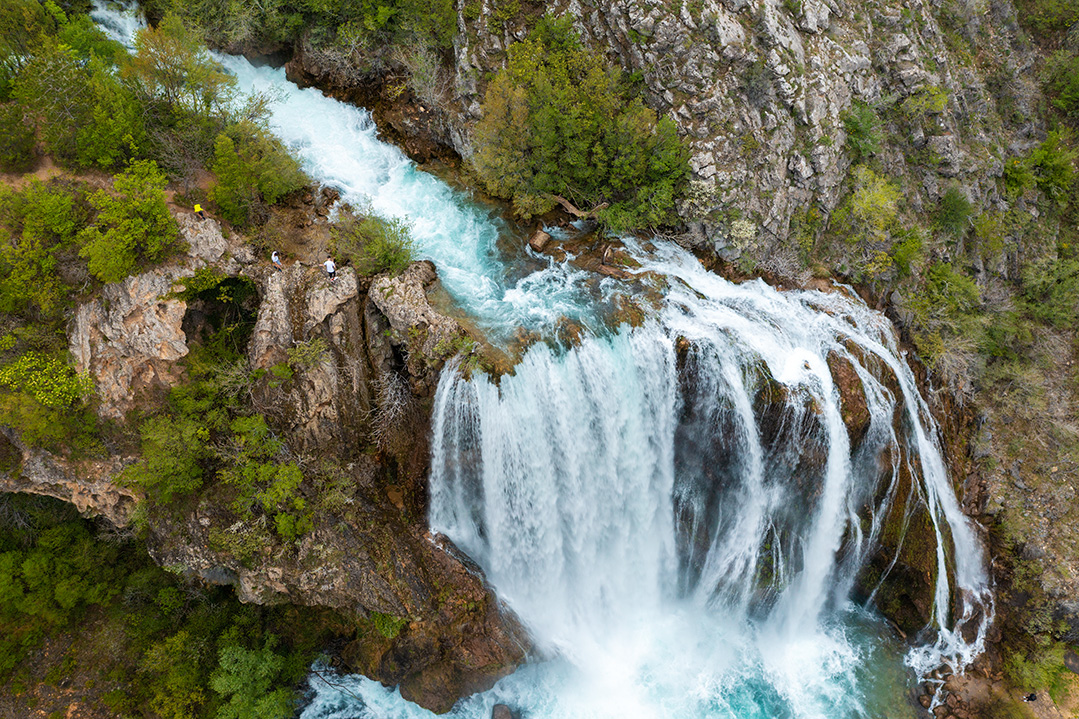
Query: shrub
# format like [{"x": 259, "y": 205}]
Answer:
[
  {"x": 1061, "y": 81},
  {"x": 1053, "y": 166},
  {"x": 557, "y": 123},
  {"x": 135, "y": 226},
  {"x": 870, "y": 212},
  {"x": 48, "y": 380},
  {"x": 17, "y": 139},
  {"x": 954, "y": 212},
  {"x": 1045, "y": 17},
  {"x": 1052, "y": 290},
  {"x": 172, "y": 449},
  {"x": 863, "y": 130},
  {"x": 372, "y": 244},
  {"x": 43, "y": 222}
]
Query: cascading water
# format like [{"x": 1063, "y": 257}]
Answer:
[{"x": 677, "y": 512}]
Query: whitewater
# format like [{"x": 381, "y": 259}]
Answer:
[{"x": 677, "y": 512}]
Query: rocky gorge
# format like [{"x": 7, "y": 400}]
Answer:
[{"x": 762, "y": 96}]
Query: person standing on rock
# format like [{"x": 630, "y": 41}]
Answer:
[
  {"x": 331, "y": 268},
  {"x": 201, "y": 213},
  {"x": 275, "y": 258}
]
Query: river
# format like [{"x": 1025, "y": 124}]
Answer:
[{"x": 676, "y": 511}]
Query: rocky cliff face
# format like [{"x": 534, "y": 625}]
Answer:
[
  {"x": 759, "y": 92},
  {"x": 438, "y": 631}
]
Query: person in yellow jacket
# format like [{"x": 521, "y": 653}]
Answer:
[{"x": 200, "y": 212}]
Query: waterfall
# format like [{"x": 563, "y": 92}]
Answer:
[{"x": 678, "y": 512}]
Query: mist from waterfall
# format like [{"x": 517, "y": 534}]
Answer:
[{"x": 677, "y": 511}]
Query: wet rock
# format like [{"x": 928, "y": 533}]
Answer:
[
  {"x": 852, "y": 402},
  {"x": 501, "y": 711},
  {"x": 539, "y": 240}
]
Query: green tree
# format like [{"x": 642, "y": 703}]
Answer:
[
  {"x": 23, "y": 26},
  {"x": 172, "y": 451},
  {"x": 39, "y": 223},
  {"x": 135, "y": 225},
  {"x": 252, "y": 169},
  {"x": 246, "y": 679},
  {"x": 54, "y": 88},
  {"x": 172, "y": 68},
  {"x": 17, "y": 139},
  {"x": 558, "y": 123}
]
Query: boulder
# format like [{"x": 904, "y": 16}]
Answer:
[{"x": 539, "y": 240}]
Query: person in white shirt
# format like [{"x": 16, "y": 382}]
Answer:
[
  {"x": 276, "y": 259},
  {"x": 331, "y": 268}
]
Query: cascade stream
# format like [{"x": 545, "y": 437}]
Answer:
[{"x": 677, "y": 512}]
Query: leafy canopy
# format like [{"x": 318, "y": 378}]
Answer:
[
  {"x": 558, "y": 121},
  {"x": 135, "y": 225}
]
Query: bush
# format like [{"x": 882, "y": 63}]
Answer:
[
  {"x": 954, "y": 213},
  {"x": 1053, "y": 165},
  {"x": 372, "y": 244},
  {"x": 1061, "y": 82},
  {"x": 172, "y": 451},
  {"x": 1046, "y": 17},
  {"x": 869, "y": 214},
  {"x": 863, "y": 131},
  {"x": 252, "y": 168},
  {"x": 135, "y": 226},
  {"x": 557, "y": 123},
  {"x": 18, "y": 144},
  {"x": 1052, "y": 290},
  {"x": 43, "y": 222}
]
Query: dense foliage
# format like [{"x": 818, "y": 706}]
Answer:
[
  {"x": 141, "y": 642},
  {"x": 332, "y": 27},
  {"x": 557, "y": 121},
  {"x": 372, "y": 244}
]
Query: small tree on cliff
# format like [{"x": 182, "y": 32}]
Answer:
[
  {"x": 133, "y": 226},
  {"x": 558, "y": 122}
]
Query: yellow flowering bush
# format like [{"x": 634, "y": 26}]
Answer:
[{"x": 50, "y": 381}]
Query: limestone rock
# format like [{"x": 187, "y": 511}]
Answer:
[
  {"x": 415, "y": 325},
  {"x": 89, "y": 486},
  {"x": 130, "y": 337}
]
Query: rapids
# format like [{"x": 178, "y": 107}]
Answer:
[{"x": 677, "y": 511}]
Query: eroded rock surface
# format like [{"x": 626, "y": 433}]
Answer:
[
  {"x": 414, "y": 324},
  {"x": 88, "y": 485},
  {"x": 130, "y": 338}
]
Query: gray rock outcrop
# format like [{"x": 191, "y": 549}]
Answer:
[{"x": 88, "y": 485}]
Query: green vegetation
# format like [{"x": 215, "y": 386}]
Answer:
[
  {"x": 142, "y": 641},
  {"x": 372, "y": 244},
  {"x": 863, "y": 131},
  {"x": 333, "y": 28},
  {"x": 557, "y": 122},
  {"x": 134, "y": 226},
  {"x": 253, "y": 171}
]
